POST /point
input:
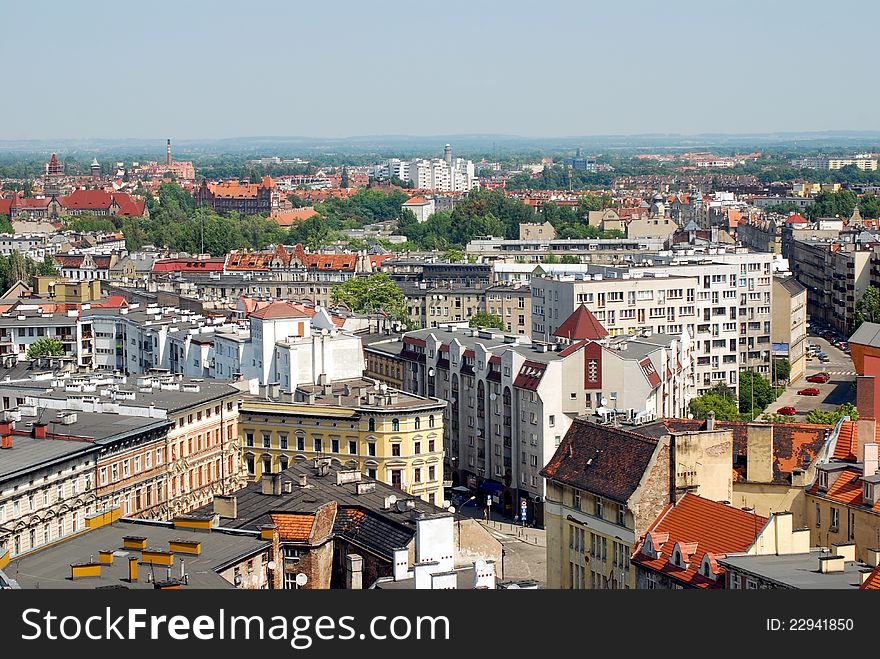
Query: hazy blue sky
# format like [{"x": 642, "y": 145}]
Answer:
[{"x": 194, "y": 69}]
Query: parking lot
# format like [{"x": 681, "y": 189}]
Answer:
[{"x": 838, "y": 390}]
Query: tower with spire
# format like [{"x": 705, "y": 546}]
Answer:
[{"x": 95, "y": 168}]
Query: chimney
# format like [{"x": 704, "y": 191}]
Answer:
[
  {"x": 865, "y": 574},
  {"x": 873, "y": 557},
  {"x": 865, "y": 429},
  {"x": 845, "y": 549},
  {"x": 288, "y": 487},
  {"x": 870, "y": 457},
  {"x": 168, "y": 160},
  {"x": 710, "y": 420},
  {"x": 267, "y": 484},
  {"x": 277, "y": 484},
  {"x": 302, "y": 480},
  {"x": 866, "y": 396},
  {"x": 829, "y": 564},
  {"x": 226, "y": 506},
  {"x": 354, "y": 571},
  {"x": 798, "y": 478},
  {"x": 274, "y": 389},
  {"x": 41, "y": 430},
  {"x": 6, "y": 441},
  {"x": 759, "y": 453}
]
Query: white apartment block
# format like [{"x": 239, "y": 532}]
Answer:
[
  {"x": 458, "y": 175},
  {"x": 724, "y": 307}
]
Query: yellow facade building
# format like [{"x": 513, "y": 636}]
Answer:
[{"x": 390, "y": 435}]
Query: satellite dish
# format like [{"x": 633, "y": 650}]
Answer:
[
  {"x": 301, "y": 579},
  {"x": 604, "y": 402},
  {"x": 451, "y": 509},
  {"x": 493, "y": 396},
  {"x": 271, "y": 565},
  {"x": 431, "y": 372}
]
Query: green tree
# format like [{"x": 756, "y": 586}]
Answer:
[
  {"x": 781, "y": 370},
  {"x": 454, "y": 255},
  {"x": 719, "y": 401},
  {"x": 867, "y": 309},
  {"x": 371, "y": 294},
  {"x": 485, "y": 319},
  {"x": 47, "y": 266},
  {"x": 296, "y": 201},
  {"x": 550, "y": 258},
  {"x": 5, "y": 225},
  {"x": 832, "y": 204},
  {"x": 45, "y": 346},
  {"x": 755, "y": 393},
  {"x": 89, "y": 224},
  {"x": 869, "y": 206},
  {"x": 785, "y": 208},
  {"x": 343, "y": 181},
  {"x": 831, "y": 418},
  {"x": 592, "y": 202},
  {"x": 570, "y": 259}
]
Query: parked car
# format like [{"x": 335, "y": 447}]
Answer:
[
  {"x": 821, "y": 378},
  {"x": 809, "y": 391},
  {"x": 787, "y": 410},
  {"x": 824, "y": 359}
]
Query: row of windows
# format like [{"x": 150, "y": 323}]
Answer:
[
  {"x": 130, "y": 466},
  {"x": 191, "y": 418},
  {"x": 37, "y": 500},
  {"x": 318, "y": 445}
]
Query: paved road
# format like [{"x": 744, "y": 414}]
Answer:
[
  {"x": 525, "y": 554},
  {"x": 836, "y": 391}
]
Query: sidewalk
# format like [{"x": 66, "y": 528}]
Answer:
[{"x": 535, "y": 537}]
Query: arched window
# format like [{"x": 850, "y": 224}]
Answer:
[
  {"x": 371, "y": 425},
  {"x": 395, "y": 425},
  {"x": 431, "y": 421},
  {"x": 418, "y": 423}
]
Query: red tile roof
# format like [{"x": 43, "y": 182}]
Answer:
[
  {"x": 279, "y": 310},
  {"x": 288, "y": 218},
  {"x": 847, "y": 489},
  {"x": 75, "y": 261},
  {"x": 698, "y": 526},
  {"x": 873, "y": 581},
  {"x": 796, "y": 219},
  {"x": 189, "y": 265},
  {"x": 580, "y": 325},
  {"x": 291, "y": 526},
  {"x": 847, "y": 446},
  {"x": 416, "y": 201},
  {"x": 102, "y": 200}
]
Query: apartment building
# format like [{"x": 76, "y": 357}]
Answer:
[
  {"x": 194, "y": 458},
  {"x": 26, "y": 324},
  {"x": 607, "y": 485},
  {"x": 512, "y": 400},
  {"x": 50, "y": 466},
  {"x": 392, "y": 436},
  {"x": 724, "y": 307},
  {"x": 587, "y": 250},
  {"x": 283, "y": 343},
  {"x": 434, "y": 306},
  {"x": 835, "y": 275},
  {"x": 513, "y": 304},
  {"x": 789, "y": 302}
]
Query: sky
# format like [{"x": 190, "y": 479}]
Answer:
[{"x": 195, "y": 69}]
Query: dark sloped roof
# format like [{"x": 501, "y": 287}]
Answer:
[
  {"x": 792, "y": 285},
  {"x": 606, "y": 461}
]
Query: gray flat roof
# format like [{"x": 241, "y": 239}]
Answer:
[
  {"x": 867, "y": 334},
  {"x": 496, "y": 344},
  {"x": 50, "y": 567},
  {"x": 166, "y": 399},
  {"x": 28, "y": 453},
  {"x": 798, "y": 570}
]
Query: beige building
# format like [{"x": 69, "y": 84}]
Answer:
[
  {"x": 514, "y": 305},
  {"x": 790, "y": 323},
  {"x": 435, "y": 306},
  {"x": 392, "y": 436},
  {"x": 607, "y": 485},
  {"x": 536, "y": 231},
  {"x": 651, "y": 227}
]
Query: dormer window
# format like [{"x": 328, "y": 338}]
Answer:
[{"x": 823, "y": 480}]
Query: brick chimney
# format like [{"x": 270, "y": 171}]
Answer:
[
  {"x": 41, "y": 430},
  {"x": 866, "y": 396}
]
